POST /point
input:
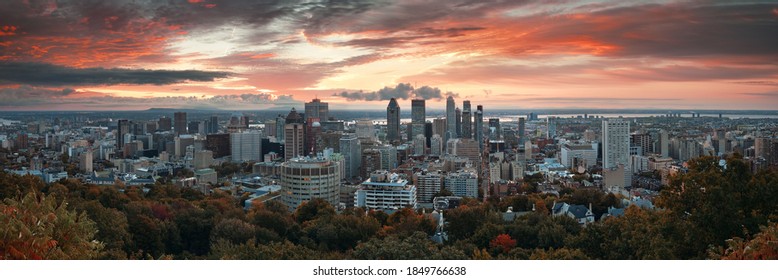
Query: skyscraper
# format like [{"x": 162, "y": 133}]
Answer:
[
  {"x": 521, "y": 131},
  {"x": 317, "y": 109},
  {"x": 467, "y": 120},
  {"x": 458, "y": 122},
  {"x": 213, "y": 125},
  {"x": 495, "y": 131},
  {"x": 393, "y": 121},
  {"x": 478, "y": 126},
  {"x": 122, "y": 129},
  {"x": 615, "y": 143},
  {"x": 418, "y": 116},
  {"x": 179, "y": 122},
  {"x": 451, "y": 119},
  {"x": 246, "y": 146},
  {"x": 294, "y": 136},
  {"x": 164, "y": 124},
  {"x": 352, "y": 152}
]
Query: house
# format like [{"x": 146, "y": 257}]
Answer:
[
  {"x": 613, "y": 212},
  {"x": 580, "y": 213}
]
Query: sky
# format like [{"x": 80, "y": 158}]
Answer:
[{"x": 275, "y": 54}]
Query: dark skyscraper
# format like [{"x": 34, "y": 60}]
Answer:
[
  {"x": 179, "y": 123},
  {"x": 521, "y": 131},
  {"x": 458, "y": 123},
  {"x": 478, "y": 126},
  {"x": 164, "y": 124},
  {"x": 467, "y": 120},
  {"x": 418, "y": 116},
  {"x": 213, "y": 125},
  {"x": 393, "y": 121},
  {"x": 122, "y": 128},
  {"x": 495, "y": 131},
  {"x": 294, "y": 135},
  {"x": 317, "y": 109}
]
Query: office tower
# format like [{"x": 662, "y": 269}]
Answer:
[
  {"x": 721, "y": 139},
  {"x": 478, "y": 126},
  {"x": 436, "y": 145},
  {"x": 371, "y": 161},
  {"x": 385, "y": 191},
  {"x": 393, "y": 122},
  {"x": 213, "y": 125},
  {"x": 179, "y": 123},
  {"x": 331, "y": 139},
  {"x": 522, "y": 127},
  {"x": 388, "y": 157},
  {"x": 418, "y": 118},
  {"x": 615, "y": 143},
  {"x": 193, "y": 127},
  {"x": 181, "y": 142},
  {"x": 528, "y": 153},
  {"x": 303, "y": 179},
  {"x": 466, "y": 148},
  {"x": 317, "y": 109},
  {"x": 294, "y": 136},
  {"x": 495, "y": 131},
  {"x": 462, "y": 183},
  {"x": 762, "y": 148},
  {"x": 246, "y": 146},
  {"x": 439, "y": 127},
  {"x": 122, "y": 129},
  {"x": 467, "y": 120},
  {"x": 427, "y": 185},
  {"x": 572, "y": 156},
  {"x": 451, "y": 121},
  {"x": 280, "y": 126},
  {"x": 313, "y": 140},
  {"x": 219, "y": 144},
  {"x": 642, "y": 140},
  {"x": 365, "y": 129},
  {"x": 352, "y": 153},
  {"x": 164, "y": 124},
  {"x": 419, "y": 145},
  {"x": 458, "y": 122}
]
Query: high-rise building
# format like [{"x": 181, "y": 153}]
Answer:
[
  {"x": 550, "y": 128},
  {"x": 615, "y": 143},
  {"x": 393, "y": 122},
  {"x": 246, "y": 146},
  {"x": 317, "y": 109},
  {"x": 365, "y": 129},
  {"x": 294, "y": 136},
  {"x": 280, "y": 127},
  {"x": 122, "y": 129},
  {"x": 467, "y": 120},
  {"x": 522, "y": 127},
  {"x": 478, "y": 126},
  {"x": 495, "y": 131},
  {"x": 462, "y": 183},
  {"x": 313, "y": 140},
  {"x": 427, "y": 185},
  {"x": 466, "y": 148},
  {"x": 458, "y": 122},
  {"x": 179, "y": 123},
  {"x": 371, "y": 161},
  {"x": 202, "y": 159},
  {"x": 418, "y": 118},
  {"x": 164, "y": 124},
  {"x": 664, "y": 143},
  {"x": 85, "y": 161},
  {"x": 451, "y": 119},
  {"x": 436, "y": 145},
  {"x": 385, "y": 191},
  {"x": 419, "y": 145},
  {"x": 388, "y": 157},
  {"x": 352, "y": 154},
  {"x": 219, "y": 144},
  {"x": 213, "y": 125},
  {"x": 303, "y": 179}
]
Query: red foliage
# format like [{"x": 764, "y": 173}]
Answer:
[{"x": 504, "y": 242}]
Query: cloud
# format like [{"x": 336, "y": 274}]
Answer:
[
  {"x": 402, "y": 91},
  {"x": 25, "y": 97},
  {"x": 41, "y": 74}
]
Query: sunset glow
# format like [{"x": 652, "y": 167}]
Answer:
[{"x": 134, "y": 55}]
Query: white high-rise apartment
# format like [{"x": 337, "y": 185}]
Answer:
[
  {"x": 615, "y": 143},
  {"x": 246, "y": 146}
]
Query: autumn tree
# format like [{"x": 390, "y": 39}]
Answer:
[
  {"x": 503, "y": 242},
  {"x": 37, "y": 227}
]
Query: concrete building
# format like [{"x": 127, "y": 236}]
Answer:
[
  {"x": 294, "y": 135},
  {"x": 352, "y": 154},
  {"x": 427, "y": 185},
  {"x": 303, "y": 179},
  {"x": 246, "y": 146},
  {"x": 451, "y": 122},
  {"x": 462, "y": 183},
  {"x": 180, "y": 123},
  {"x": 578, "y": 155},
  {"x": 203, "y": 159},
  {"x": 478, "y": 126},
  {"x": 615, "y": 143},
  {"x": 467, "y": 120},
  {"x": 436, "y": 145},
  {"x": 385, "y": 191}
]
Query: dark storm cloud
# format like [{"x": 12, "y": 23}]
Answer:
[
  {"x": 41, "y": 74},
  {"x": 401, "y": 91}
]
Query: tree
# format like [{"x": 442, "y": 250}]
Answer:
[
  {"x": 764, "y": 246},
  {"x": 503, "y": 242},
  {"x": 36, "y": 227}
]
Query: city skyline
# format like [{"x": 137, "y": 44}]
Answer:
[{"x": 240, "y": 55}]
